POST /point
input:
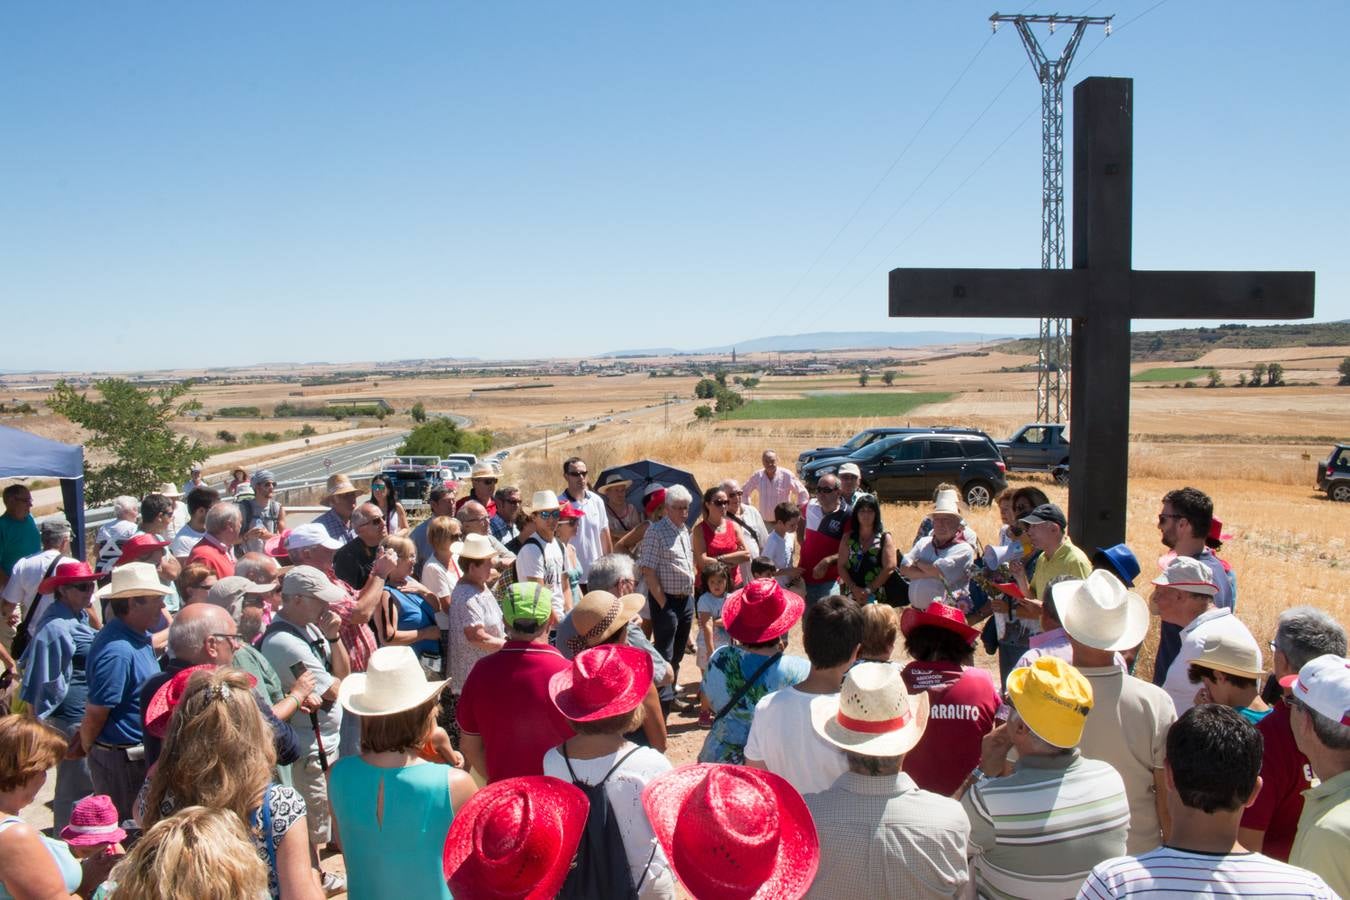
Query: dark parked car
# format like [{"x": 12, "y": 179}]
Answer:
[
  {"x": 1333, "y": 476},
  {"x": 867, "y": 437},
  {"x": 911, "y": 466},
  {"x": 1036, "y": 448}
]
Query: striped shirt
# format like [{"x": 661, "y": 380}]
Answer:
[
  {"x": 667, "y": 551},
  {"x": 1169, "y": 872},
  {"x": 1038, "y": 832}
]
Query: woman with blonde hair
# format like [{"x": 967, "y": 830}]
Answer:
[
  {"x": 440, "y": 575},
  {"x": 405, "y": 617},
  {"x": 218, "y": 752},
  {"x": 31, "y": 864},
  {"x": 198, "y": 852},
  {"x": 392, "y": 807}
]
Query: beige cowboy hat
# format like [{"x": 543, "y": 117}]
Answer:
[
  {"x": 338, "y": 484},
  {"x": 168, "y": 489},
  {"x": 1100, "y": 611},
  {"x": 599, "y": 614},
  {"x": 475, "y": 546},
  {"x": 392, "y": 683},
  {"x": 873, "y": 714},
  {"x": 945, "y": 504},
  {"x": 136, "y": 579},
  {"x": 483, "y": 469},
  {"x": 541, "y": 501}
]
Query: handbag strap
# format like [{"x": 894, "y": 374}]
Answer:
[
  {"x": 745, "y": 688},
  {"x": 32, "y": 607}
]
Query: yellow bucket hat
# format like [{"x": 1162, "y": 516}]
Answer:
[{"x": 1053, "y": 698}]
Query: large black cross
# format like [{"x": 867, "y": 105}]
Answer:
[{"x": 1101, "y": 293}]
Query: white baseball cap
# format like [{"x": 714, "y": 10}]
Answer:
[
  {"x": 1189, "y": 575},
  {"x": 311, "y": 534},
  {"x": 1323, "y": 685},
  {"x": 849, "y": 469}
]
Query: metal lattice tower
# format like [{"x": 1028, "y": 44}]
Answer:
[{"x": 1052, "y": 376}]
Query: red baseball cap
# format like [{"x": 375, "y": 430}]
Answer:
[{"x": 139, "y": 546}]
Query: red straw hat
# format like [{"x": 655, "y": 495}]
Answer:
[
  {"x": 938, "y": 615},
  {"x": 93, "y": 821},
  {"x": 1216, "y": 530},
  {"x": 604, "y": 681},
  {"x": 67, "y": 573},
  {"x": 165, "y": 700},
  {"x": 515, "y": 839},
  {"x": 761, "y": 611},
  {"x": 655, "y": 499},
  {"x": 570, "y": 512},
  {"x": 275, "y": 546},
  {"x": 733, "y": 832},
  {"x": 139, "y": 546}
]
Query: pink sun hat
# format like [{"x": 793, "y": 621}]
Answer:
[{"x": 93, "y": 821}]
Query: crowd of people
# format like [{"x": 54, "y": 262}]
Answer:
[{"x": 476, "y": 705}]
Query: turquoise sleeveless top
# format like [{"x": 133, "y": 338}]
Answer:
[
  {"x": 68, "y": 865},
  {"x": 400, "y": 856}
]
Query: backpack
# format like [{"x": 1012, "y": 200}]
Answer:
[{"x": 600, "y": 868}]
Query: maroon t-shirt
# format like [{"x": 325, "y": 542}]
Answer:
[
  {"x": 962, "y": 702},
  {"x": 1285, "y": 775},
  {"x": 505, "y": 702}
]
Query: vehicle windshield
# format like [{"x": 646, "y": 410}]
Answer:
[
  {"x": 876, "y": 448},
  {"x": 859, "y": 440}
]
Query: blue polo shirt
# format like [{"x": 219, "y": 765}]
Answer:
[
  {"x": 54, "y": 681},
  {"x": 119, "y": 661}
]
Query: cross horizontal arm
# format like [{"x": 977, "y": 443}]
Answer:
[
  {"x": 989, "y": 293},
  {"x": 1221, "y": 295}
]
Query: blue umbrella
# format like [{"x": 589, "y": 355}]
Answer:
[{"x": 645, "y": 473}]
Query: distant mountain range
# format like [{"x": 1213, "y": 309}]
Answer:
[{"x": 828, "y": 340}]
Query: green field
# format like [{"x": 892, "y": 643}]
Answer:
[
  {"x": 1182, "y": 373},
  {"x": 838, "y": 406}
]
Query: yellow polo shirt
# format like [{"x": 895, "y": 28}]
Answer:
[
  {"x": 1324, "y": 833},
  {"x": 1068, "y": 561}
]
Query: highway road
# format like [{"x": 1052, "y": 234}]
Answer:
[{"x": 350, "y": 458}]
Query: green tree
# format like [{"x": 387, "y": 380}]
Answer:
[
  {"x": 1215, "y": 378},
  {"x": 1344, "y": 369},
  {"x": 863, "y": 378},
  {"x": 133, "y": 428},
  {"x": 706, "y": 389},
  {"x": 750, "y": 383},
  {"x": 1258, "y": 375},
  {"x": 703, "y": 412},
  {"x": 888, "y": 377},
  {"x": 418, "y": 412},
  {"x": 226, "y": 437},
  {"x": 1274, "y": 375},
  {"x": 727, "y": 400},
  {"x": 1242, "y": 379},
  {"x": 720, "y": 377},
  {"x": 439, "y": 437}
]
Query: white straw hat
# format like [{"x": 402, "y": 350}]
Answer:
[
  {"x": 945, "y": 504},
  {"x": 542, "y": 500},
  {"x": 873, "y": 714},
  {"x": 136, "y": 579},
  {"x": 1100, "y": 611},
  {"x": 475, "y": 546},
  {"x": 392, "y": 683}
]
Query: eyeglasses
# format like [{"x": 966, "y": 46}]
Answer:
[
  {"x": 826, "y": 490},
  {"x": 509, "y": 501},
  {"x": 1163, "y": 517},
  {"x": 87, "y": 586},
  {"x": 582, "y": 474},
  {"x": 548, "y": 513},
  {"x": 719, "y": 502},
  {"x": 379, "y": 487},
  {"x": 378, "y": 523},
  {"x": 232, "y": 638}
]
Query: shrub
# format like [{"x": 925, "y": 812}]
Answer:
[
  {"x": 239, "y": 412},
  {"x": 226, "y": 437},
  {"x": 308, "y": 431},
  {"x": 703, "y": 412}
]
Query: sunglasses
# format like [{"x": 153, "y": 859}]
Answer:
[
  {"x": 379, "y": 487},
  {"x": 825, "y": 490},
  {"x": 548, "y": 514},
  {"x": 720, "y": 502},
  {"x": 582, "y": 474}
]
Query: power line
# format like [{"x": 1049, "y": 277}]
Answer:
[{"x": 886, "y": 174}]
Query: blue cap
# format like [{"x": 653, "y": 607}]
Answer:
[{"x": 1122, "y": 561}]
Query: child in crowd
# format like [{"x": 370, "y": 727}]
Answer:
[
  {"x": 881, "y": 627},
  {"x": 197, "y": 852},
  {"x": 781, "y": 546},
  {"x": 94, "y": 829},
  {"x": 711, "y": 634}
]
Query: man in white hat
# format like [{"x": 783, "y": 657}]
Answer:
[
  {"x": 1320, "y": 705},
  {"x": 1184, "y": 596},
  {"x": 541, "y": 558},
  {"x": 880, "y": 834},
  {"x": 850, "y": 479},
  {"x": 482, "y": 487},
  {"x": 474, "y": 519},
  {"x": 120, "y": 658},
  {"x": 180, "y": 510},
  {"x": 304, "y": 637},
  {"x": 1128, "y": 724},
  {"x": 592, "y": 539},
  {"x": 340, "y": 498},
  {"x": 939, "y": 563},
  {"x": 1229, "y": 672}
]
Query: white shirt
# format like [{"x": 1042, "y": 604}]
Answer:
[
  {"x": 779, "y": 548},
  {"x": 441, "y": 582},
  {"x": 953, "y": 561},
  {"x": 590, "y": 528},
  {"x": 624, "y": 791},
  {"x": 548, "y": 565},
  {"x": 180, "y": 518},
  {"x": 23, "y": 585},
  {"x": 1213, "y": 622},
  {"x": 110, "y": 539},
  {"x": 183, "y": 542},
  {"x": 772, "y": 491},
  {"x": 782, "y": 738}
]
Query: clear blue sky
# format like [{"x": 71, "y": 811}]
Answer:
[{"x": 229, "y": 183}]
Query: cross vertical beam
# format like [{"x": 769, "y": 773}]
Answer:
[{"x": 1103, "y": 187}]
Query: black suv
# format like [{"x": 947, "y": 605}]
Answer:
[
  {"x": 868, "y": 436},
  {"x": 911, "y": 466},
  {"x": 1333, "y": 476}
]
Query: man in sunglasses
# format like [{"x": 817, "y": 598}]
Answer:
[
  {"x": 819, "y": 533},
  {"x": 483, "y": 485},
  {"x": 592, "y": 539}
]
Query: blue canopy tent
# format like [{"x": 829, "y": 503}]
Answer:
[{"x": 24, "y": 455}]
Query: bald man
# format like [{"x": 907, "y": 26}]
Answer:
[{"x": 203, "y": 634}]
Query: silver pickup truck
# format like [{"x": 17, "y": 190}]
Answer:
[{"x": 1039, "y": 447}]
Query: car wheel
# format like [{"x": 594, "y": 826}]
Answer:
[
  {"x": 1340, "y": 492},
  {"x": 979, "y": 493},
  {"x": 1061, "y": 475}
]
